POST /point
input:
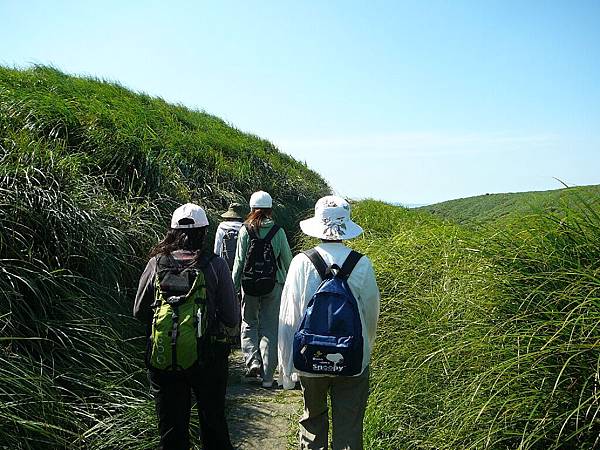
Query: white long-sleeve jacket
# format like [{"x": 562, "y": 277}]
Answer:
[
  {"x": 220, "y": 234},
  {"x": 302, "y": 282}
]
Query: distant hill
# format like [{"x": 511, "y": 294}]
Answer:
[{"x": 491, "y": 207}]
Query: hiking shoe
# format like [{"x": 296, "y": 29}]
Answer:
[
  {"x": 269, "y": 384},
  {"x": 254, "y": 370}
]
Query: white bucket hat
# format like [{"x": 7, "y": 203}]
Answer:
[
  {"x": 331, "y": 221},
  {"x": 261, "y": 199},
  {"x": 189, "y": 211}
]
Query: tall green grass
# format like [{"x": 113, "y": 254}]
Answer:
[
  {"x": 489, "y": 339},
  {"x": 89, "y": 174}
]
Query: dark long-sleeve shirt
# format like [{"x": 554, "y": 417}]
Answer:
[{"x": 219, "y": 288}]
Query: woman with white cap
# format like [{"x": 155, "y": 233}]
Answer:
[
  {"x": 191, "y": 293},
  {"x": 262, "y": 259},
  {"x": 332, "y": 225}
]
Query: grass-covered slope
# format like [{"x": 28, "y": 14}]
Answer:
[
  {"x": 89, "y": 174},
  {"x": 487, "y": 339},
  {"x": 487, "y": 208}
]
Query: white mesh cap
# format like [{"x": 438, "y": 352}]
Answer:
[
  {"x": 261, "y": 199},
  {"x": 189, "y": 211}
]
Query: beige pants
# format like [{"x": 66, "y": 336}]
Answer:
[{"x": 348, "y": 402}]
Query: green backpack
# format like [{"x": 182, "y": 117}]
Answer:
[{"x": 180, "y": 327}]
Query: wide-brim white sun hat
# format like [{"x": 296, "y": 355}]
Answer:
[
  {"x": 192, "y": 212},
  {"x": 261, "y": 199},
  {"x": 331, "y": 221}
]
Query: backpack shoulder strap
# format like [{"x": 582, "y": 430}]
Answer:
[
  {"x": 204, "y": 260},
  {"x": 271, "y": 234},
  {"x": 317, "y": 261},
  {"x": 160, "y": 259},
  {"x": 206, "y": 266},
  {"x": 251, "y": 233},
  {"x": 350, "y": 263}
]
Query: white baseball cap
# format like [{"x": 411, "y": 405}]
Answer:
[
  {"x": 331, "y": 221},
  {"x": 189, "y": 211},
  {"x": 261, "y": 199}
]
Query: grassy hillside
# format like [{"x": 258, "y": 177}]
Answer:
[
  {"x": 487, "y": 208},
  {"x": 89, "y": 175},
  {"x": 487, "y": 339}
]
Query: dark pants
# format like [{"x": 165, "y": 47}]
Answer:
[{"x": 172, "y": 394}]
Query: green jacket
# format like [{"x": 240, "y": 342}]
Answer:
[{"x": 281, "y": 248}]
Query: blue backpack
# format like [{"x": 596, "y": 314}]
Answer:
[{"x": 329, "y": 339}]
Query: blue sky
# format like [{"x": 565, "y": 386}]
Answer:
[{"x": 404, "y": 101}]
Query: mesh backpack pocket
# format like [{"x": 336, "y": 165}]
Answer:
[{"x": 329, "y": 339}]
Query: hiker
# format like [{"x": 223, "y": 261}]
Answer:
[
  {"x": 329, "y": 344},
  {"x": 186, "y": 298},
  {"x": 262, "y": 258},
  {"x": 226, "y": 239},
  {"x": 227, "y": 233}
]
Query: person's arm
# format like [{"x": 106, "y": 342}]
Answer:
[
  {"x": 290, "y": 315},
  {"x": 240, "y": 258},
  {"x": 144, "y": 298},
  {"x": 219, "y": 240},
  {"x": 371, "y": 301},
  {"x": 227, "y": 306},
  {"x": 285, "y": 253}
]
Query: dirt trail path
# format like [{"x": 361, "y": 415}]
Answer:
[{"x": 258, "y": 418}]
